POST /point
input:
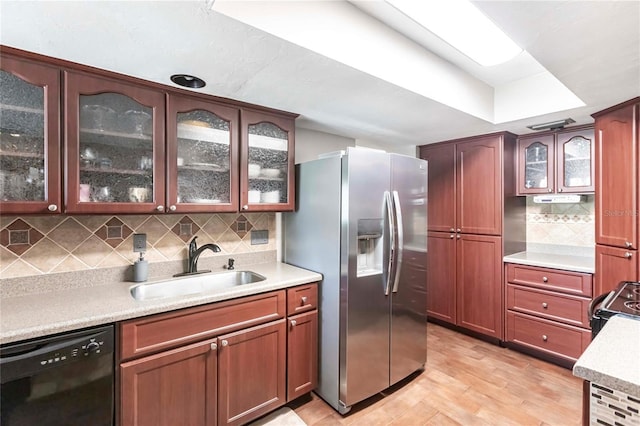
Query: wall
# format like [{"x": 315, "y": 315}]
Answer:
[
  {"x": 38, "y": 245},
  {"x": 561, "y": 224}
]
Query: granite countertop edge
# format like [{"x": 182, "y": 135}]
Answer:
[
  {"x": 40, "y": 314},
  {"x": 607, "y": 359},
  {"x": 566, "y": 262}
]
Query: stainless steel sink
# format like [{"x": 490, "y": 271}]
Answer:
[{"x": 196, "y": 284}]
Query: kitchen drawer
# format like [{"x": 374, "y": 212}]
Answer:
[
  {"x": 556, "y": 339},
  {"x": 164, "y": 331},
  {"x": 551, "y": 305},
  {"x": 302, "y": 298},
  {"x": 550, "y": 279}
]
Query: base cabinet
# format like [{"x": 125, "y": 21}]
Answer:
[{"x": 302, "y": 354}]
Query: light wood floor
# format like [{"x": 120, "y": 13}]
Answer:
[{"x": 466, "y": 382}]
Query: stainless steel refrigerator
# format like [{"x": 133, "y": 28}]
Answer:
[{"x": 361, "y": 221}]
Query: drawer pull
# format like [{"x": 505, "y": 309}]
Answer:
[
  {"x": 293, "y": 323},
  {"x": 304, "y": 300},
  {"x": 545, "y": 279},
  {"x": 628, "y": 255},
  {"x": 544, "y": 337},
  {"x": 545, "y": 305}
]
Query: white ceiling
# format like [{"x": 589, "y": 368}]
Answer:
[{"x": 393, "y": 91}]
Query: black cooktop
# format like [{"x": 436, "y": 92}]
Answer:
[{"x": 625, "y": 299}]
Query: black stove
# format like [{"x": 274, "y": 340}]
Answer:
[{"x": 625, "y": 300}]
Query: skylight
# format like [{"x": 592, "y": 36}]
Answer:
[{"x": 463, "y": 26}]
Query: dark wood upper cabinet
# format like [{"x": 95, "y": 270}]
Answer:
[
  {"x": 266, "y": 162},
  {"x": 617, "y": 159},
  {"x": 114, "y": 144},
  {"x": 441, "y": 186},
  {"x": 30, "y": 164},
  {"x": 557, "y": 162},
  {"x": 202, "y": 154}
]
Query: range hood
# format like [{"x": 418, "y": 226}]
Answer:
[{"x": 557, "y": 198}]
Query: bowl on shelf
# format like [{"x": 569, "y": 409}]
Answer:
[
  {"x": 270, "y": 173},
  {"x": 254, "y": 196},
  {"x": 253, "y": 170},
  {"x": 270, "y": 197},
  {"x": 97, "y": 117},
  {"x": 137, "y": 122}
]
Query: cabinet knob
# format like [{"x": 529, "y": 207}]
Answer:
[
  {"x": 545, "y": 279},
  {"x": 52, "y": 207},
  {"x": 458, "y": 230},
  {"x": 293, "y": 323},
  {"x": 160, "y": 208},
  {"x": 560, "y": 190},
  {"x": 544, "y": 337},
  {"x": 628, "y": 255},
  {"x": 304, "y": 300},
  {"x": 550, "y": 190},
  {"x": 172, "y": 208},
  {"x": 452, "y": 230},
  {"x": 245, "y": 207},
  {"x": 458, "y": 237},
  {"x": 545, "y": 305},
  {"x": 451, "y": 236},
  {"x": 628, "y": 244},
  {"x": 224, "y": 343},
  {"x": 214, "y": 346}
]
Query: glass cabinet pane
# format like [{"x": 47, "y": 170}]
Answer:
[
  {"x": 536, "y": 166},
  {"x": 268, "y": 155},
  {"x": 577, "y": 162},
  {"x": 204, "y": 158},
  {"x": 22, "y": 140},
  {"x": 115, "y": 149}
]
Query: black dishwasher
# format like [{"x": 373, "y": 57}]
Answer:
[{"x": 60, "y": 380}]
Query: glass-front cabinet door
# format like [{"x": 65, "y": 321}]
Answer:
[
  {"x": 202, "y": 156},
  {"x": 114, "y": 146},
  {"x": 267, "y": 161},
  {"x": 536, "y": 165},
  {"x": 576, "y": 161},
  {"x": 29, "y": 137}
]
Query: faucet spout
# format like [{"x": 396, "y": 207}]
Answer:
[{"x": 195, "y": 252}]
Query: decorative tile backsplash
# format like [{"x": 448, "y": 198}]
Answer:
[
  {"x": 48, "y": 244},
  {"x": 562, "y": 224}
]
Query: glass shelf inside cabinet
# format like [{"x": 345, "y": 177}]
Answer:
[
  {"x": 536, "y": 166},
  {"x": 268, "y": 163},
  {"x": 203, "y": 158},
  {"x": 116, "y": 149},
  {"x": 22, "y": 140}
]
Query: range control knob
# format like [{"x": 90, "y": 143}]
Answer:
[{"x": 92, "y": 347}]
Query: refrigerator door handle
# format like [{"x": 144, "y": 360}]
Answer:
[
  {"x": 392, "y": 242},
  {"x": 399, "y": 241}
]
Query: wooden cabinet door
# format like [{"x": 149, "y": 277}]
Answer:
[
  {"x": 252, "y": 372},
  {"x": 441, "y": 276},
  {"x": 114, "y": 143},
  {"x": 617, "y": 186},
  {"x": 30, "y": 143},
  {"x": 302, "y": 354},
  {"x": 613, "y": 265},
  {"x": 535, "y": 163},
  {"x": 575, "y": 161},
  {"x": 267, "y": 162},
  {"x": 441, "y": 186},
  {"x": 479, "y": 284},
  {"x": 479, "y": 186},
  {"x": 176, "y": 387},
  {"x": 202, "y": 156}
]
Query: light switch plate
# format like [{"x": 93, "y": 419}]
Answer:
[
  {"x": 139, "y": 243},
  {"x": 259, "y": 237}
]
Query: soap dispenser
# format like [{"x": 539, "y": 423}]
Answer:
[{"x": 140, "y": 269}]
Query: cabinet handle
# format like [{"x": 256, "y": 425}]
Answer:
[
  {"x": 560, "y": 190},
  {"x": 628, "y": 255},
  {"x": 172, "y": 208},
  {"x": 550, "y": 190},
  {"x": 544, "y": 337},
  {"x": 224, "y": 343},
  {"x": 52, "y": 207},
  {"x": 160, "y": 208},
  {"x": 544, "y": 305},
  {"x": 458, "y": 237},
  {"x": 628, "y": 244},
  {"x": 245, "y": 207},
  {"x": 451, "y": 236},
  {"x": 214, "y": 346},
  {"x": 458, "y": 230},
  {"x": 452, "y": 230},
  {"x": 545, "y": 279},
  {"x": 293, "y": 323},
  {"x": 304, "y": 300}
]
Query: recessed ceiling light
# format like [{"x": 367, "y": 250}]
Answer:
[
  {"x": 463, "y": 26},
  {"x": 187, "y": 80},
  {"x": 552, "y": 125}
]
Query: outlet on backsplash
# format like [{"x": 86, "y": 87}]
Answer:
[{"x": 561, "y": 224}]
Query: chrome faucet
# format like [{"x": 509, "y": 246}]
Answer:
[{"x": 194, "y": 254}]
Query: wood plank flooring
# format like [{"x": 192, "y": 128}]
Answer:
[{"x": 466, "y": 382}]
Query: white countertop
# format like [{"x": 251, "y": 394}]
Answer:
[
  {"x": 612, "y": 359},
  {"x": 565, "y": 262},
  {"x": 39, "y": 314}
]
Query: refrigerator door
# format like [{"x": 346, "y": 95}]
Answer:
[
  {"x": 364, "y": 308},
  {"x": 408, "y": 341}
]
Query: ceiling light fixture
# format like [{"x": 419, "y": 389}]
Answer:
[
  {"x": 552, "y": 125},
  {"x": 189, "y": 81},
  {"x": 463, "y": 26}
]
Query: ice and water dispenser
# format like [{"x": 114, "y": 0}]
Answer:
[{"x": 370, "y": 243}]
